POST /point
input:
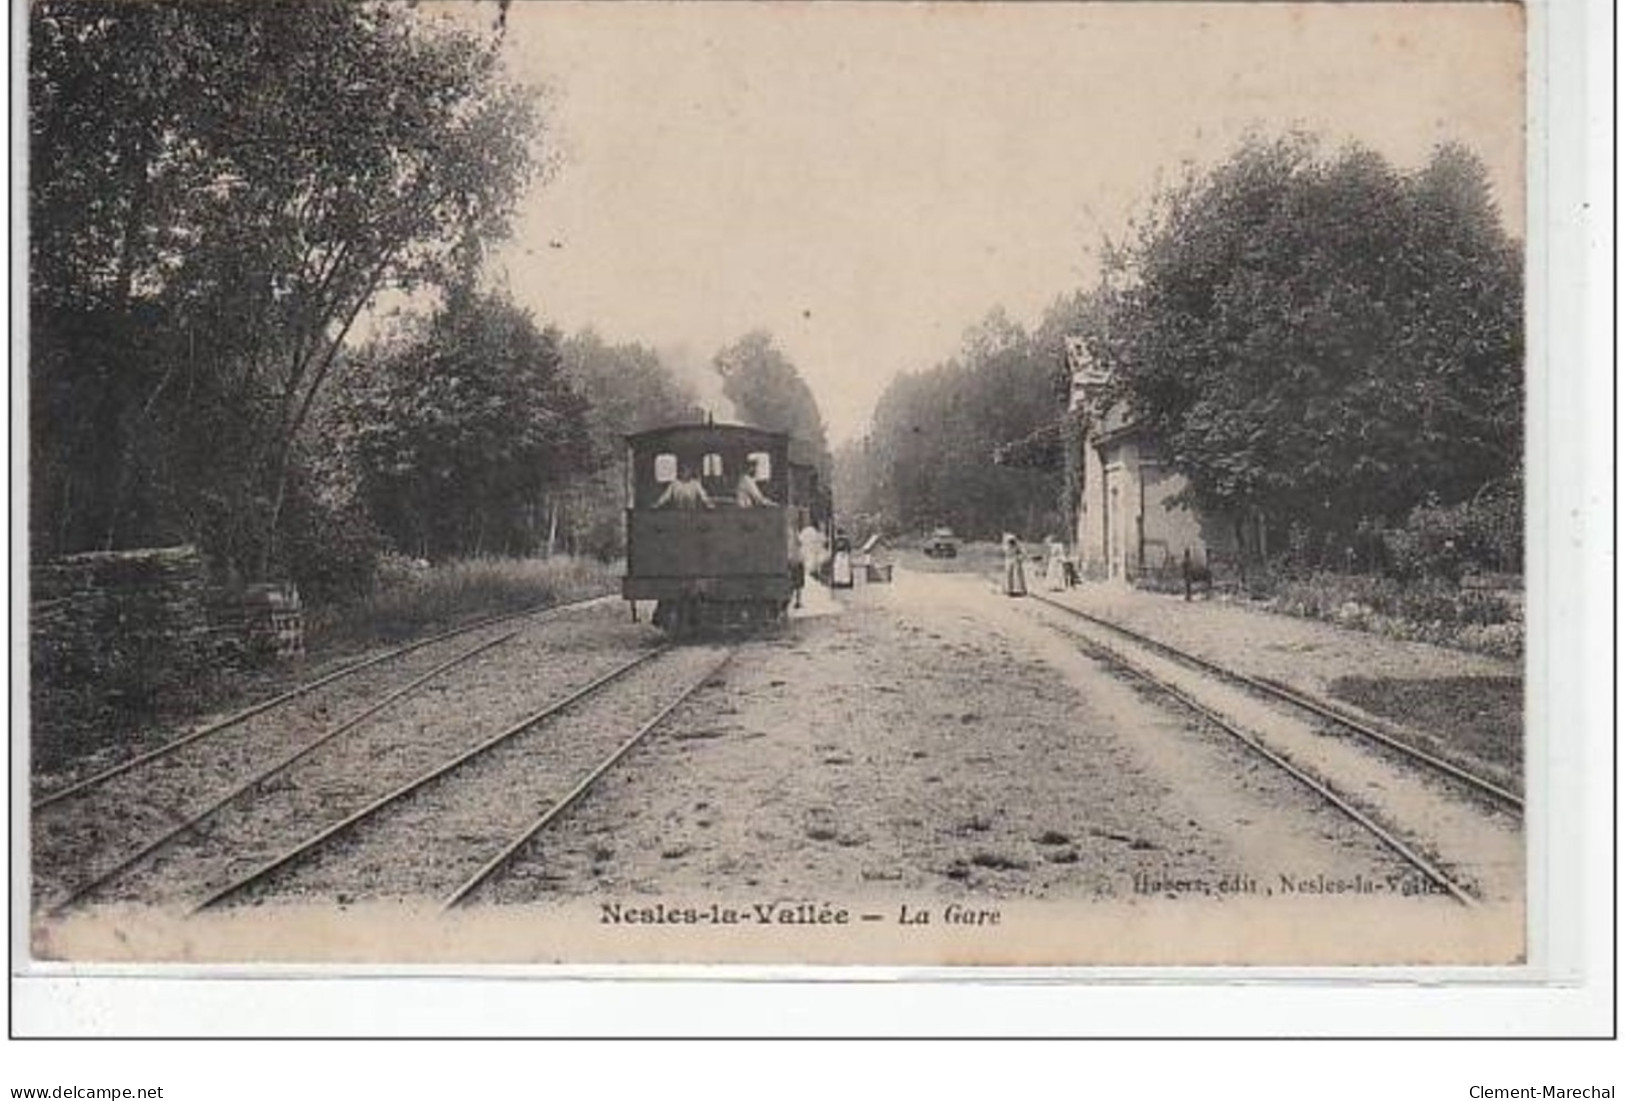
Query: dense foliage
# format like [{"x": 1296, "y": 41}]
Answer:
[
  {"x": 460, "y": 432},
  {"x": 215, "y": 194},
  {"x": 930, "y": 456},
  {"x": 1320, "y": 342},
  {"x": 627, "y": 389}
]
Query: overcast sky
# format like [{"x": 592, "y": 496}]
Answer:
[{"x": 865, "y": 181}]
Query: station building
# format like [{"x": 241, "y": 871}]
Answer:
[{"x": 1128, "y": 523}]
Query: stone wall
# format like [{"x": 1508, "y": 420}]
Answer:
[
  {"x": 118, "y": 628},
  {"x": 117, "y": 632}
]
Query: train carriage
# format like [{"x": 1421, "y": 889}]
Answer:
[{"x": 712, "y": 516}]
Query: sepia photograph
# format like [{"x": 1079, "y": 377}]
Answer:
[{"x": 933, "y": 485}]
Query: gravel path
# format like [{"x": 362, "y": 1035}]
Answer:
[
  {"x": 1304, "y": 653},
  {"x": 906, "y": 740}
]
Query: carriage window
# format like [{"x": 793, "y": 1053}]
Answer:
[
  {"x": 665, "y": 468},
  {"x": 760, "y": 465},
  {"x": 712, "y": 466}
]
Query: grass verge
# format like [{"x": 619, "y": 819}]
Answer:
[
  {"x": 1476, "y": 720},
  {"x": 1477, "y": 619},
  {"x": 409, "y": 603}
]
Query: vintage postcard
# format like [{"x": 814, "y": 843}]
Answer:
[{"x": 941, "y": 485}]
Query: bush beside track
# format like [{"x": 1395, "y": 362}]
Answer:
[{"x": 1481, "y": 620}]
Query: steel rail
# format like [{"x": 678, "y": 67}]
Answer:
[
  {"x": 98, "y": 778},
  {"x": 433, "y": 774},
  {"x": 89, "y": 887},
  {"x": 1505, "y": 798},
  {"x": 1308, "y": 779},
  {"x": 491, "y": 866}
]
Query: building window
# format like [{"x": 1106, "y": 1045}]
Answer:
[{"x": 712, "y": 466}]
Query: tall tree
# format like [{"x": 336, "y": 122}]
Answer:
[
  {"x": 1318, "y": 340},
  {"x": 930, "y": 455},
  {"x": 768, "y": 392},
  {"x": 627, "y": 389},
  {"x": 216, "y": 192},
  {"x": 460, "y": 432}
]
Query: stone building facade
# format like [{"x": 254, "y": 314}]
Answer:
[{"x": 1128, "y": 524}]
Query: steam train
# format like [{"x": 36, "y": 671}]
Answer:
[{"x": 713, "y": 514}]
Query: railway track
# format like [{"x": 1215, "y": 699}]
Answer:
[
  {"x": 108, "y": 824},
  {"x": 1392, "y": 837},
  {"x": 492, "y": 867},
  {"x": 1495, "y": 793},
  {"x": 196, "y": 818},
  {"x": 99, "y": 778},
  {"x": 460, "y": 766}
]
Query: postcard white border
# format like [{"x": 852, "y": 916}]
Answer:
[{"x": 1566, "y": 990}]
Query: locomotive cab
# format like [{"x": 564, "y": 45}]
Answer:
[{"x": 710, "y": 524}]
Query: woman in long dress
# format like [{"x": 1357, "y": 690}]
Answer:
[
  {"x": 1055, "y": 566},
  {"x": 840, "y": 563},
  {"x": 1015, "y": 576}
]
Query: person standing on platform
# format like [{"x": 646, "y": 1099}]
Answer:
[
  {"x": 840, "y": 562},
  {"x": 1055, "y": 565},
  {"x": 813, "y": 552},
  {"x": 798, "y": 564},
  {"x": 1015, "y": 574}
]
